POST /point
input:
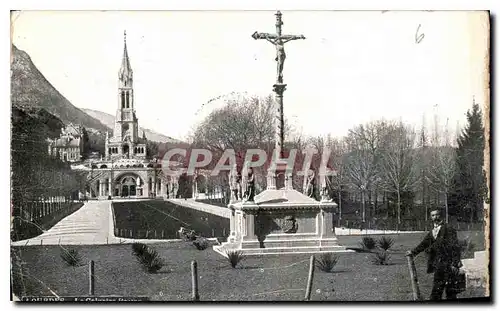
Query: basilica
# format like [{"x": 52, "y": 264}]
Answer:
[{"x": 125, "y": 171}]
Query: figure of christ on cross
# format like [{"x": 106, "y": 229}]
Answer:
[{"x": 279, "y": 41}]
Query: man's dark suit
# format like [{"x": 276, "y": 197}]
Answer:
[{"x": 443, "y": 254}]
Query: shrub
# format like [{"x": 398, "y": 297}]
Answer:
[
  {"x": 71, "y": 257},
  {"x": 234, "y": 257},
  {"x": 326, "y": 262},
  {"x": 368, "y": 243},
  {"x": 138, "y": 249},
  {"x": 200, "y": 243},
  {"x": 380, "y": 258},
  {"x": 385, "y": 243},
  {"x": 148, "y": 257}
]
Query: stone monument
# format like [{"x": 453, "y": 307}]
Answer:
[{"x": 280, "y": 219}]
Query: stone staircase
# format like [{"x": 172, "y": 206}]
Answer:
[{"x": 476, "y": 269}]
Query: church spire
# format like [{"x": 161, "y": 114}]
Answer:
[{"x": 125, "y": 73}]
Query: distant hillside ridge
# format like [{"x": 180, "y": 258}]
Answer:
[
  {"x": 30, "y": 88},
  {"x": 109, "y": 120}
]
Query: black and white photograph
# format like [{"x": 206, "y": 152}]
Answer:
[{"x": 249, "y": 156}]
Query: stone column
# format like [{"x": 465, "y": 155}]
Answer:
[
  {"x": 110, "y": 188},
  {"x": 232, "y": 224},
  {"x": 249, "y": 224},
  {"x": 326, "y": 222}
]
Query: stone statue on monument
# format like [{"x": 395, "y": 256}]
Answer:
[
  {"x": 250, "y": 186},
  {"x": 310, "y": 186},
  {"x": 235, "y": 184},
  {"x": 280, "y": 58}
]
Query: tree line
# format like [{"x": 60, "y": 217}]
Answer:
[
  {"x": 35, "y": 175},
  {"x": 384, "y": 168}
]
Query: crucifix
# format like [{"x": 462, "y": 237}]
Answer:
[{"x": 278, "y": 40}]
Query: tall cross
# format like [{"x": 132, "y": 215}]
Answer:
[{"x": 278, "y": 40}]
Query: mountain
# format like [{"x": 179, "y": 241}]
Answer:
[
  {"x": 30, "y": 89},
  {"x": 109, "y": 121}
]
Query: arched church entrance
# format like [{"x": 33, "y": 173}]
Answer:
[{"x": 129, "y": 185}]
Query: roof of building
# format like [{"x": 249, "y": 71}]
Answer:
[
  {"x": 66, "y": 142},
  {"x": 72, "y": 129}
]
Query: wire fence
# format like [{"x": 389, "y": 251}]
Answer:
[
  {"x": 189, "y": 283},
  {"x": 404, "y": 224},
  {"x": 117, "y": 272}
]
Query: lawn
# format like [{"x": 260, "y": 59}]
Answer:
[
  {"x": 162, "y": 220},
  {"x": 284, "y": 277}
]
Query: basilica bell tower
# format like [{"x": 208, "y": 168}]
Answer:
[{"x": 125, "y": 142}]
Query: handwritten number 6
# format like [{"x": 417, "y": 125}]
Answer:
[{"x": 418, "y": 37}]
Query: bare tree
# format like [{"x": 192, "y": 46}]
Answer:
[
  {"x": 339, "y": 180},
  {"x": 397, "y": 164},
  {"x": 361, "y": 167},
  {"x": 443, "y": 164},
  {"x": 423, "y": 161},
  {"x": 239, "y": 125}
]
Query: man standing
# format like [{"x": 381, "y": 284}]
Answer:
[{"x": 443, "y": 250}]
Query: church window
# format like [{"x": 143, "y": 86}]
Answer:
[
  {"x": 128, "y": 99},
  {"x": 123, "y": 99}
]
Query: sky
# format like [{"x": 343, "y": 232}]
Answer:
[{"x": 353, "y": 67}]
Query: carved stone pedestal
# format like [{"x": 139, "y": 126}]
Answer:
[{"x": 281, "y": 221}]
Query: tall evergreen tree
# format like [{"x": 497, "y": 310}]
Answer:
[
  {"x": 470, "y": 178},
  {"x": 86, "y": 144}
]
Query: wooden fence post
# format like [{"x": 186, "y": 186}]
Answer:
[
  {"x": 414, "y": 280},
  {"x": 194, "y": 281},
  {"x": 310, "y": 278},
  {"x": 91, "y": 278}
]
